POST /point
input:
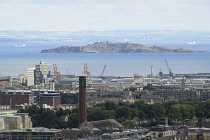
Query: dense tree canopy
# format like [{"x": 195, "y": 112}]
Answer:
[{"x": 123, "y": 112}]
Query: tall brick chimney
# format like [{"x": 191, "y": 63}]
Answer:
[{"x": 82, "y": 99}]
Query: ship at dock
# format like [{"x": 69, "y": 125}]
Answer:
[
  {"x": 23, "y": 45},
  {"x": 190, "y": 43}
]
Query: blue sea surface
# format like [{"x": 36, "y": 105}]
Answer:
[{"x": 15, "y": 60}]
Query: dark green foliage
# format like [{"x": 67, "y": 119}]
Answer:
[
  {"x": 150, "y": 88},
  {"x": 141, "y": 115},
  {"x": 152, "y": 123},
  {"x": 123, "y": 112},
  {"x": 128, "y": 124},
  {"x": 182, "y": 111},
  {"x": 43, "y": 117},
  {"x": 73, "y": 121},
  {"x": 130, "y": 89},
  {"x": 110, "y": 105},
  {"x": 60, "y": 112},
  {"x": 95, "y": 114}
]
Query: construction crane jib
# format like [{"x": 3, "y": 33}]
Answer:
[
  {"x": 169, "y": 70},
  {"x": 102, "y": 72}
]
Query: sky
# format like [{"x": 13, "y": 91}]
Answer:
[{"x": 104, "y": 15}]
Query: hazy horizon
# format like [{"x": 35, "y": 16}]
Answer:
[{"x": 102, "y": 30}]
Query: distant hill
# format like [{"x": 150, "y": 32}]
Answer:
[{"x": 110, "y": 47}]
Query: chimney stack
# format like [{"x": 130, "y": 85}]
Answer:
[
  {"x": 152, "y": 71},
  {"x": 82, "y": 99}
]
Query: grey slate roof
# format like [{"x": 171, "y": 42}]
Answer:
[{"x": 106, "y": 124}]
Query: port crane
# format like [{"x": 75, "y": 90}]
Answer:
[
  {"x": 161, "y": 74},
  {"x": 68, "y": 73},
  {"x": 102, "y": 72},
  {"x": 169, "y": 70},
  {"x": 86, "y": 70},
  {"x": 56, "y": 72}
]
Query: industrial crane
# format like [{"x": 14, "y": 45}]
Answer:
[
  {"x": 102, "y": 72},
  {"x": 161, "y": 74},
  {"x": 169, "y": 70},
  {"x": 68, "y": 73},
  {"x": 56, "y": 72},
  {"x": 86, "y": 70}
]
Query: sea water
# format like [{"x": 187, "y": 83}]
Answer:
[{"x": 15, "y": 60}]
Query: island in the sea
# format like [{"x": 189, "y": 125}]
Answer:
[{"x": 110, "y": 47}]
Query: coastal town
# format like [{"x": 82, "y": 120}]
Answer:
[
  {"x": 167, "y": 106},
  {"x": 104, "y": 70}
]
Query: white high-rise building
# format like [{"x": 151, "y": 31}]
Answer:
[{"x": 30, "y": 76}]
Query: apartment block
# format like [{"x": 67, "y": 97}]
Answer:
[{"x": 17, "y": 121}]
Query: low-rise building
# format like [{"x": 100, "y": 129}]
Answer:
[
  {"x": 36, "y": 134},
  {"x": 163, "y": 121},
  {"x": 108, "y": 124},
  {"x": 128, "y": 135},
  {"x": 7, "y": 112},
  {"x": 178, "y": 94},
  {"x": 4, "y": 81},
  {"x": 16, "y": 80},
  {"x": 205, "y": 123},
  {"x": 161, "y": 131},
  {"x": 152, "y": 99},
  {"x": 77, "y": 133},
  {"x": 15, "y": 121},
  {"x": 198, "y": 133},
  {"x": 186, "y": 122}
]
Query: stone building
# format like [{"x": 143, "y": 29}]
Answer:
[
  {"x": 161, "y": 131},
  {"x": 198, "y": 133},
  {"x": 178, "y": 94}
]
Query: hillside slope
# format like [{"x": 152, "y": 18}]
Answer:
[{"x": 109, "y": 47}]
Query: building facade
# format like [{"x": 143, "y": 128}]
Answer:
[
  {"x": 161, "y": 131},
  {"x": 16, "y": 97},
  {"x": 36, "y": 134},
  {"x": 69, "y": 98},
  {"x": 30, "y": 76},
  {"x": 41, "y": 73},
  {"x": 15, "y": 121},
  {"x": 4, "y": 81},
  {"x": 50, "y": 99},
  {"x": 177, "y": 94},
  {"x": 198, "y": 133}
]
